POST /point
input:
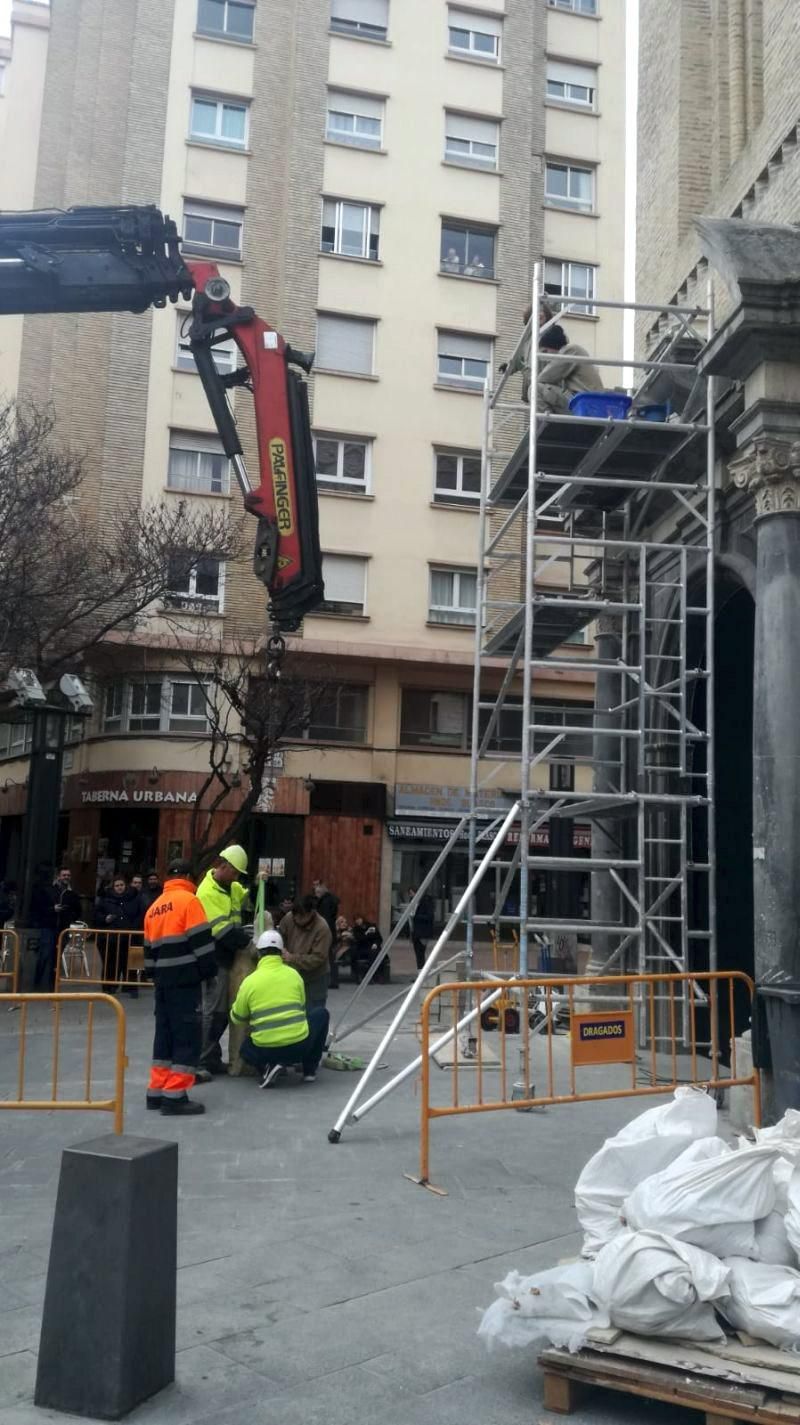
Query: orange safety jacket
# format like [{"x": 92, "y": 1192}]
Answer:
[{"x": 178, "y": 944}]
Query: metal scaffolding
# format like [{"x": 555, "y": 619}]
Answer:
[
  {"x": 601, "y": 524},
  {"x": 606, "y": 525}
]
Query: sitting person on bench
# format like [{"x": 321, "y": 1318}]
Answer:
[{"x": 272, "y": 1003}]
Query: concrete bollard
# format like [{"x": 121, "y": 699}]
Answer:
[{"x": 108, "y": 1326}]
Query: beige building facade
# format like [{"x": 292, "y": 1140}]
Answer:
[{"x": 377, "y": 178}]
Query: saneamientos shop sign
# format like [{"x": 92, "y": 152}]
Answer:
[
  {"x": 439, "y": 831},
  {"x": 110, "y": 796}
]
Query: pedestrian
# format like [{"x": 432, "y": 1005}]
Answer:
[
  {"x": 117, "y": 909},
  {"x": 308, "y": 942},
  {"x": 367, "y": 942},
  {"x": 179, "y": 955},
  {"x": 328, "y": 907},
  {"x": 343, "y": 941},
  {"x": 54, "y": 906},
  {"x": 421, "y": 926},
  {"x": 152, "y": 889},
  {"x": 272, "y": 1002},
  {"x": 223, "y": 897},
  {"x": 137, "y": 886}
]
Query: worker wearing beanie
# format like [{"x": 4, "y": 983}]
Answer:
[
  {"x": 272, "y": 1002},
  {"x": 222, "y": 896}
]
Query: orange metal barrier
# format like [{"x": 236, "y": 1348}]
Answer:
[
  {"x": 9, "y": 961},
  {"x": 90, "y": 955},
  {"x": 56, "y": 1003},
  {"x": 643, "y": 1023}
]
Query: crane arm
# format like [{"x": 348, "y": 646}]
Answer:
[{"x": 129, "y": 259}]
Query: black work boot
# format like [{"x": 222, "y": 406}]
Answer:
[
  {"x": 181, "y": 1107},
  {"x": 154, "y": 1100}
]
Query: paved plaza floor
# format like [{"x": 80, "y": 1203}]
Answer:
[{"x": 315, "y": 1283}]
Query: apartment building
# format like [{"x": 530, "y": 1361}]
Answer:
[
  {"x": 377, "y": 178},
  {"x": 718, "y": 136}
]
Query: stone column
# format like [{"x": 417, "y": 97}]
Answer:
[
  {"x": 770, "y": 469},
  {"x": 606, "y": 834}
]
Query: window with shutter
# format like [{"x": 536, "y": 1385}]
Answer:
[
  {"x": 470, "y": 140},
  {"x": 463, "y": 360},
  {"x": 345, "y": 579},
  {"x": 212, "y": 230},
  {"x": 365, "y": 19},
  {"x": 474, "y": 36},
  {"x": 571, "y": 83},
  {"x": 197, "y": 464},
  {"x": 345, "y": 344},
  {"x": 355, "y": 119}
]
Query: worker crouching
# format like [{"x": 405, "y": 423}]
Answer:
[
  {"x": 179, "y": 955},
  {"x": 272, "y": 1002}
]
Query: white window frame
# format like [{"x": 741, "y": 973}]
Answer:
[
  {"x": 344, "y": 370},
  {"x": 356, "y": 608},
  {"x": 113, "y": 718},
  {"x": 213, "y": 213},
  {"x": 465, "y": 614},
  {"x": 355, "y": 28},
  {"x": 370, "y": 227},
  {"x": 465, "y": 381},
  {"x": 340, "y": 481},
  {"x": 454, "y": 120},
  {"x": 186, "y": 718},
  {"x": 16, "y": 738},
  {"x": 196, "y": 444},
  {"x": 577, "y": 82},
  {"x": 373, "y": 110},
  {"x": 225, "y": 353},
  {"x": 580, "y": 307},
  {"x": 160, "y": 723},
  {"x": 575, "y": 7},
  {"x": 473, "y": 25},
  {"x": 568, "y": 203},
  {"x": 222, "y": 102},
  {"x": 467, "y": 230},
  {"x": 459, "y": 496},
  {"x": 225, "y": 33},
  {"x": 189, "y": 601}
]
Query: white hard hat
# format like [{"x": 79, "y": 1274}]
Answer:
[{"x": 270, "y": 940}]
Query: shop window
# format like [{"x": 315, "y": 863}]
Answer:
[{"x": 434, "y": 719}]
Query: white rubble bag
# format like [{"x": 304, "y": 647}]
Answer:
[
  {"x": 764, "y": 1301},
  {"x": 713, "y": 1204},
  {"x": 644, "y": 1146},
  {"x": 555, "y": 1306},
  {"x": 654, "y": 1286},
  {"x": 772, "y": 1242},
  {"x": 792, "y": 1218},
  {"x": 785, "y": 1134}
]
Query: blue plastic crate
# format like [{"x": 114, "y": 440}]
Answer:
[
  {"x": 653, "y": 413},
  {"x": 608, "y": 405}
]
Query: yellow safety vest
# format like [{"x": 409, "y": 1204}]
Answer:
[
  {"x": 222, "y": 904},
  {"x": 273, "y": 1001}
]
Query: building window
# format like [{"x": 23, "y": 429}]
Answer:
[
  {"x": 338, "y": 715},
  {"x": 16, "y": 738},
  {"x": 453, "y": 596},
  {"x": 571, "y": 279},
  {"x": 196, "y": 588},
  {"x": 224, "y": 353},
  {"x": 229, "y": 19},
  {"x": 355, "y": 119},
  {"x": 156, "y": 706},
  {"x": 476, "y": 36},
  {"x": 457, "y": 478},
  {"x": 343, "y": 463},
  {"x": 222, "y": 121},
  {"x": 345, "y": 344},
  {"x": 471, "y": 141},
  {"x": 345, "y": 579},
  {"x": 430, "y": 719},
  {"x": 467, "y": 251},
  {"x": 464, "y": 360},
  {"x": 366, "y": 19},
  {"x": 578, "y": 7},
  {"x": 556, "y": 715},
  {"x": 566, "y": 186},
  {"x": 571, "y": 83},
  {"x": 197, "y": 464},
  {"x": 350, "y": 229},
  {"x": 210, "y": 230}
]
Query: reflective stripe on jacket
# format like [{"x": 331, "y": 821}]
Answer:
[
  {"x": 222, "y": 904},
  {"x": 273, "y": 1001},
  {"x": 178, "y": 946}
]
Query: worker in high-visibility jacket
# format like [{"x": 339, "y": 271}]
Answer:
[
  {"x": 272, "y": 1001},
  {"x": 179, "y": 955},
  {"x": 223, "y": 898}
]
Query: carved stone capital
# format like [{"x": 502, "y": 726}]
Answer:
[{"x": 770, "y": 470}]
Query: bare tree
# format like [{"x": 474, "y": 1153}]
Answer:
[
  {"x": 251, "y": 711},
  {"x": 68, "y": 582}
]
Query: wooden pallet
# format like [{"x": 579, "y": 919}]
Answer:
[{"x": 570, "y": 1379}]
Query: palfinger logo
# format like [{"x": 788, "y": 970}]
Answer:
[{"x": 280, "y": 485}]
